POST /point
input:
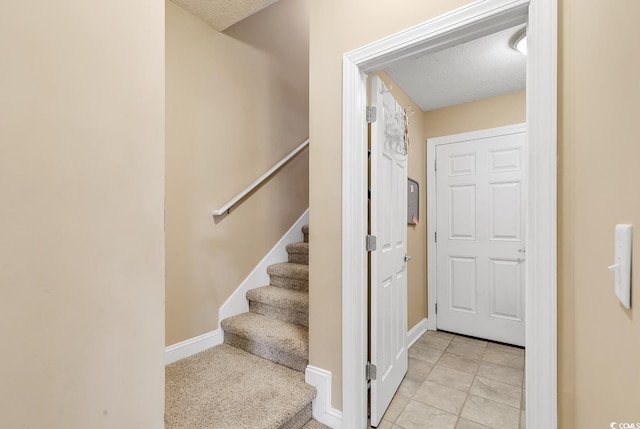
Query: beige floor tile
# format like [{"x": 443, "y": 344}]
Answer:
[
  {"x": 434, "y": 342},
  {"x": 496, "y": 391},
  {"x": 451, "y": 378},
  {"x": 384, "y": 424},
  {"x": 508, "y": 349},
  {"x": 501, "y": 373},
  {"x": 468, "y": 424},
  {"x": 468, "y": 340},
  {"x": 396, "y": 406},
  {"x": 460, "y": 363},
  {"x": 441, "y": 397},
  {"x": 503, "y": 358},
  {"x": 409, "y": 385},
  {"x": 427, "y": 354},
  {"x": 490, "y": 413},
  {"x": 419, "y": 368},
  {"x": 523, "y": 420},
  {"x": 465, "y": 349},
  {"x": 440, "y": 334},
  {"x": 420, "y": 416}
]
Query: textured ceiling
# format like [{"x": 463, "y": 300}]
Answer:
[
  {"x": 222, "y": 14},
  {"x": 474, "y": 70}
]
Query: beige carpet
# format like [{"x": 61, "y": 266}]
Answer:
[
  {"x": 255, "y": 380},
  {"x": 227, "y": 388}
]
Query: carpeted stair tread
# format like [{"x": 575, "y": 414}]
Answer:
[
  {"x": 314, "y": 424},
  {"x": 289, "y": 275},
  {"x": 282, "y": 342},
  {"x": 227, "y": 388},
  {"x": 298, "y": 253},
  {"x": 289, "y": 270},
  {"x": 300, "y": 247},
  {"x": 280, "y": 297},
  {"x": 285, "y": 304}
]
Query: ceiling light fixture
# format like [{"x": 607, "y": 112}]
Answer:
[{"x": 519, "y": 41}]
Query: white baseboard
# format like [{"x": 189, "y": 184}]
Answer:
[
  {"x": 192, "y": 346},
  {"x": 322, "y": 410},
  {"x": 417, "y": 331},
  {"x": 237, "y": 302}
]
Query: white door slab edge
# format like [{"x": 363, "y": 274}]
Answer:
[
  {"x": 237, "y": 303},
  {"x": 541, "y": 302},
  {"x": 190, "y": 347},
  {"x": 322, "y": 409},
  {"x": 431, "y": 202}
]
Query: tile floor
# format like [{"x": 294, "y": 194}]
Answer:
[{"x": 457, "y": 382}]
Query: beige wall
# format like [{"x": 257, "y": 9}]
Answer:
[
  {"x": 599, "y": 187},
  {"x": 491, "y": 112},
  {"x": 237, "y": 103},
  {"x": 598, "y": 152},
  {"x": 81, "y": 217}
]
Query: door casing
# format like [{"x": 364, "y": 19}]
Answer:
[{"x": 469, "y": 22}]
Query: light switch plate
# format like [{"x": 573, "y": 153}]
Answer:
[{"x": 622, "y": 264}]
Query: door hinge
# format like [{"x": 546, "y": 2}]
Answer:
[
  {"x": 371, "y": 243},
  {"x": 435, "y": 165},
  {"x": 436, "y": 308},
  {"x": 371, "y": 371},
  {"x": 436, "y": 236},
  {"x": 371, "y": 114}
]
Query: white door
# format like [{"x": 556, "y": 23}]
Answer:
[
  {"x": 388, "y": 267},
  {"x": 480, "y": 187}
]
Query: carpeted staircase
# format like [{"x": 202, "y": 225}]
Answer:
[{"x": 255, "y": 380}]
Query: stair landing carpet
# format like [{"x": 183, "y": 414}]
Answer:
[{"x": 227, "y": 388}]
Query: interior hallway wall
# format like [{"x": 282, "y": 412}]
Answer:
[
  {"x": 599, "y": 184},
  {"x": 81, "y": 217},
  {"x": 490, "y": 112},
  {"x": 237, "y": 103}
]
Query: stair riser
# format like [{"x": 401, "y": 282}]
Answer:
[
  {"x": 289, "y": 283},
  {"x": 287, "y": 315},
  {"x": 299, "y": 258},
  {"x": 266, "y": 351},
  {"x": 300, "y": 419}
]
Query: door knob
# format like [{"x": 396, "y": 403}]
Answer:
[{"x": 407, "y": 258}]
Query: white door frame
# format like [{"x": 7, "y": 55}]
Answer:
[
  {"x": 432, "y": 144},
  {"x": 469, "y": 22}
]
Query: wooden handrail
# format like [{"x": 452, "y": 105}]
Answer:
[{"x": 227, "y": 207}]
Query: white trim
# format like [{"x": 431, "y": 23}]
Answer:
[
  {"x": 542, "y": 236},
  {"x": 416, "y": 332},
  {"x": 354, "y": 230},
  {"x": 472, "y": 21},
  {"x": 192, "y": 346},
  {"x": 237, "y": 303},
  {"x": 322, "y": 410},
  {"x": 431, "y": 202}
]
